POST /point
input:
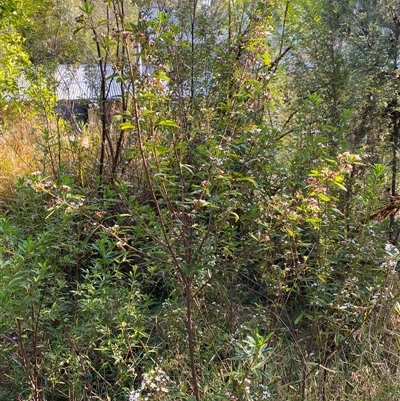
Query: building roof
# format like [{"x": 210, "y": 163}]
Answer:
[{"x": 82, "y": 82}]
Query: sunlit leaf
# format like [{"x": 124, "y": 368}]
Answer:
[
  {"x": 168, "y": 123},
  {"x": 126, "y": 126}
]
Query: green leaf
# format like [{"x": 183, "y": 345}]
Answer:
[
  {"x": 235, "y": 215},
  {"x": 249, "y": 179},
  {"x": 290, "y": 231},
  {"x": 87, "y": 7},
  {"x": 162, "y": 76},
  {"x": 187, "y": 167},
  {"x": 161, "y": 16},
  {"x": 126, "y": 126},
  {"x": 266, "y": 58},
  {"x": 315, "y": 173},
  {"x": 167, "y": 123},
  {"x": 323, "y": 197},
  {"x": 339, "y": 185},
  {"x": 298, "y": 319}
]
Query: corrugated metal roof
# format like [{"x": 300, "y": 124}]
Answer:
[{"x": 82, "y": 82}]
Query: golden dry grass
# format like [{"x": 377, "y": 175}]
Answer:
[
  {"x": 31, "y": 144},
  {"x": 17, "y": 155}
]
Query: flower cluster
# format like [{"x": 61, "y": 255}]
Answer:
[{"x": 154, "y": 386}]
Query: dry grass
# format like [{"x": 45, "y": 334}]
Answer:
[
  {"x": 31, "y": 144},
  {"x": 370, "y": 370},
  {"x": 17, "y": 155}
]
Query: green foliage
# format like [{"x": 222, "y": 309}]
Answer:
[
  {"x": 225, "y": 249},
  {"x": 54, "y": 300},
  {"x": 252, "y": 358},
  {"x": 13, "y": 60}
]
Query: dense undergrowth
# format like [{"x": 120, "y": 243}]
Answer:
[
  {"x": 268, "y": 283},
  {"x": 215, "y": 241}
]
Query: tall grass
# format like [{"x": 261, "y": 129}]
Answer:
[{"x": 17, "y": 154}]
